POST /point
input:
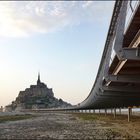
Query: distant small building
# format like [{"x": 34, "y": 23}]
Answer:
[
  {"x": 8, "y": 108},
  {"x": 1, "y": 109}
]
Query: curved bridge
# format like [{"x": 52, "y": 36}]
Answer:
[{"x": 118, "y": 79}]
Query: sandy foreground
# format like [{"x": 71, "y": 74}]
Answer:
[{"x": 54, "y": 125}]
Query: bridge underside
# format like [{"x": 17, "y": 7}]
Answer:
[{"x": 121, "y": 88}]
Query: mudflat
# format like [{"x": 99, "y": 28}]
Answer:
[{"x": 60, "y": 125}]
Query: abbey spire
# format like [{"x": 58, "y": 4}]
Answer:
[{"x": 38, "y": 81}]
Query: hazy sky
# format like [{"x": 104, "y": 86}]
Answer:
[{"x": 62, "y": 40}]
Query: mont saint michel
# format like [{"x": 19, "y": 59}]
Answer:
[{"x": 36, "y": 97}]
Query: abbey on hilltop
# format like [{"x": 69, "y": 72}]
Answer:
[{"x": 37, "y": 96}]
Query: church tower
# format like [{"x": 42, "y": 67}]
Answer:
[{"x": 38, "y": 81}]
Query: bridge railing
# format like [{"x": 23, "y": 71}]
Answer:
[
  {"x": 113, "y": 53},
  {"x": 100, "y": 73},
  {"x": 131, "y": 9},
  {"x": 93, "y": 99}
]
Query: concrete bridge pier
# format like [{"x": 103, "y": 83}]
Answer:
[
  {"x": 105, "y": 112},
  {"x": 111, "y": 110},
  {"x": 114, "y": 112},
  {"x": 129, "y": 113},
  {"x": 99, "y": 112},
  {"x": 120, "y": 111}
]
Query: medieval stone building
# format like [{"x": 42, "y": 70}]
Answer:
[{"x": 37, "y": 96}]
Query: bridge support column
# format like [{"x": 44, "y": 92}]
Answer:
[
  {"x": 129, "y": 113},
  {"x": 105, "y": 112},
  {"x": 120, "y": 110},
  {"x": 99, "y": 112},
  {"x": 111, "y": 110},
  {"x": 114, "y": 112},
  {"x": 93, "y": 110}
]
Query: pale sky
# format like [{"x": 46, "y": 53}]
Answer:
[{"x": 63, "y": 40}]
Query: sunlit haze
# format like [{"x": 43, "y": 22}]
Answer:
[{"x": 63, "y": 40}]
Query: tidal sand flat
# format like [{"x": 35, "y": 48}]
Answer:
[{"x": 54, "y": 125}]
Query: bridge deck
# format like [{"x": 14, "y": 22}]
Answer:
[
  {"x": 123, "y": 89},
  {"x": 120, "y": 85}
]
